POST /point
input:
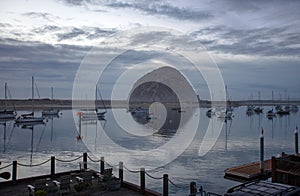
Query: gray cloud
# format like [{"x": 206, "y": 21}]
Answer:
[
  {"x": 277, "y": 41},
  {"x": 164, "y": 9},
  {"x": 43, "y": 15},
  {"x": 88, "y": 32},
  {"x": 75, "y": 32},
  {"x": 47, "y": 28},
  {"x": 53, "y": 65},
  {"x": 74, "y": 2},
  {"x": 152, "y": 8}
]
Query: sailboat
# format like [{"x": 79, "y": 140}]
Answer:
[
  {"x": 258, "y": 109},
  {"x": 30, "y": 118},
  {"x": 271, "y": 114},
  {"x": 7, "y": 114},
  {"x": 95, "y": 114},
  {"x": 100, "y": 115},
  {"x": 51, "y": 111},
  {"x": 227, "y": 112}
]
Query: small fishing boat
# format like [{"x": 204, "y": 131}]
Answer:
[{"x": 29, "y": 117}]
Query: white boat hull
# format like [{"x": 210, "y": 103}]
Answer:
[
  {"x": 50, "y": 112},
  {"x": 7, "y": 116},
  {"x": 29, "y": 120}
]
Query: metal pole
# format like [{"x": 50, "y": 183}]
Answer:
[
  {"x": 142, "y": 180},
  {"x": 296, "y": 141},
  {"x": 52, "y": 166},
  {"x": 121, "y": 171},
  {"x": 165, "y": 185},
  {"x": 85, "y": 160},
  {"x": 14, "y": 171},
  {"x": 262, "y": 163},
  {"x": 102, "y": 165}
]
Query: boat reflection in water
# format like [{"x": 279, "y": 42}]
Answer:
[{"x": 30, "y": 126}]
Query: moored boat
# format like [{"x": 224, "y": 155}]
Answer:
[
  {"x": 29, "y": 117},
  {"x": 51, "y": 111},
  {"x": 7, "y": 114}
]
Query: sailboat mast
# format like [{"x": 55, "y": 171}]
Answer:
[
  {"x": 5, "y": 94},
  {"x": 32, "y": 92},
  {"x": 96, "y": 95},
  {"x": 52, "y": 93},
  {"x": 272, "y": 100}
]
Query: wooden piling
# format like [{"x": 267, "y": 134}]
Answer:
[
  {"x": 52, "y": 167},
  {"x": 262, "y": 162},
  {"x": 14, "y": 171},
  {"x": 296, "y": 141},
  {"x": 165, "y": 185},
  {"x": 193, "y": 188},
  {"x": 273, "y": 162},
  {"x": 85, "y": 161},
  {"x": 121, "y": 171},
  {"x": 142, "y": 180},
  {"x": 102, "y": 165}
]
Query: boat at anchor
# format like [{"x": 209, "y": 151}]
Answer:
[{"x": 29, "y": 117}]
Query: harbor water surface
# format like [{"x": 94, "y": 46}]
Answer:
[{"x": 237, "y": 144}]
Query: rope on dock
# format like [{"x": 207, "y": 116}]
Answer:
[
  {"x": 178, "y": 186},
  {"x": 132, "y": 171},
  {"x": 34, "y": 165},
  {"x": 156, "y": 178},
  {"x": 93, "y": 160},
  {"x": 71, "y": 160},
  {"x": 6, "y": 166}
]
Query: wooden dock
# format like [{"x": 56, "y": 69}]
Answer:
[
  {"x": 20, "y": 186},
  {"x": 248, "y": 172}
]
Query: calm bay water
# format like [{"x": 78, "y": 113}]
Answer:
[{"x": 237, "y": 144}]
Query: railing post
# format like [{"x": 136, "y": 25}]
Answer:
[
  {"x": 165, "y": 185},
  {"x": 296, "y": 141},
  {"x": 14, "y": 171},
  {"x": 121, "y": 171},
  {"x": 52, "y": 166},
  {"x": 142, "y": 180},
  {"x": 102, "y": 165},
  {"x": 85, "y": 161},
  {"x": 193, "y": 188}
]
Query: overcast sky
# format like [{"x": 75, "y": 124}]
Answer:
[{"x": 256, "y": 44}]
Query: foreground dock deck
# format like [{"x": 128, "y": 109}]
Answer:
[
  {"x": 20, "y": 187},
  {"x": 248, "y": 172}
]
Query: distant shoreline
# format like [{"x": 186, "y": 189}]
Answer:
[{"x": 21, "y": 104}]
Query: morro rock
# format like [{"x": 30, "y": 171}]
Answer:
[
  {"x": 168, "y": 87},
  {"x": 164, "y": 85}
]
